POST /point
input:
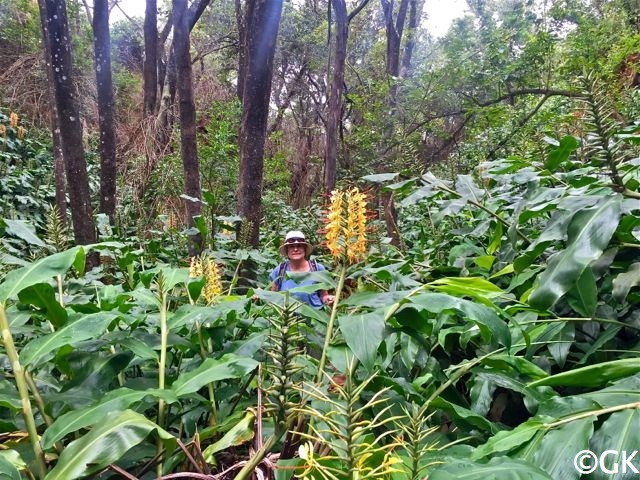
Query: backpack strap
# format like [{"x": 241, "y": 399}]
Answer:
[
  {"x": 282, "y": 268},
  {"x": 313, "y": 265}
]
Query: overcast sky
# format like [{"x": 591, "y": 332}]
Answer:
[{"x": 439, "y": 13}]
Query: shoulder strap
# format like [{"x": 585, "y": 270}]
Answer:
[
  {"x": 282, "y": 268},
  {"x": 313, "y": 265}
]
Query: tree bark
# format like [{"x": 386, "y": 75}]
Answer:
[
  {"x": 188, "y": 147},
  {"x": 264, "y": 19},
  {"x": 334, "y": 113},
  {"x": 414, "y": 14},
  {"x": 150, "y": 65},
  {"x": 58, "y": 160},
  {"x": 104, "y": 84},
  {"x": 71, "y": 128}
]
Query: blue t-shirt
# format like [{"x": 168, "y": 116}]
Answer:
[{"x": 312, "y": 299}]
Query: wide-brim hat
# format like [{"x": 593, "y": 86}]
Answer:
[{"x": 296, "y": 237}]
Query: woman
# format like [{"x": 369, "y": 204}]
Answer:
[{"x": 297, "y": 250}]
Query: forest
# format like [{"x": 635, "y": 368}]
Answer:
[{"x": 474, "y": 196}]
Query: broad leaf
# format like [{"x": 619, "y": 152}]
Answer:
[
  {"x": 8, "y": 470},
  {"x": 363, "y": 334},
  {"x": 560, "y": 446},
  {"x": 502, "y": 468},
  {"x": 38, "y": 272},
  {"x": 212, "y": 370},
  {"x": 239, "y": 434},
  {"x": 43, "y": 348},
  {"x": 589, "y": 234},
  {"x": 595, "y": 375},
  {"x": 114, "y": 401},
  {"x": 105, "y": 444},
  {"x": 489, "y": 323},
  {"x": 624, "y": 282},
  {"x": 21, "y": 229},
  {"x": 43, "y": 296},
  {"x": 508, "y": 440},
  {"x": 621, "y": 433}
]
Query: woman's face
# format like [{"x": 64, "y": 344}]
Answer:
[{"x": 295, "y": 251}]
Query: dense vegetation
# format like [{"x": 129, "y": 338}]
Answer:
[{"x": 482, "y": 241}]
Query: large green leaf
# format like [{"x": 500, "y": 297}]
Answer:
[
  {"x": 363, "y": 334},
  {"x": 239, "y": 434},
  {"x": 105, "y": 444},
  {"x": 589, "y": 234},
  {"x": 43, "y": 296},
  {"x": 621, "y": 433},
  {"x": 559, "y": 447},
  {"x": 489, "y": 323},
  {"x": 38, "y": 272},
  {"x": 560, "y": 152},
  {"x": 508, "y": 440},
  {"x": 465, "y": 415},
  {"x": 621, "y": 392},
  {"x": 43, "y": 348},
  {"x": 212, "y": 370},
  {"x": 114, "y": 401},
  {"x": 595, "y": 375},
  {"x": 499, "y": 468},
  {"x": 21, "y": 229},
  {"x": 8, "y": 468},
  {"x": 624, "y": 282}
]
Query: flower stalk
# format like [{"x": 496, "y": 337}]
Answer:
[{"x": 23, "y": 390}]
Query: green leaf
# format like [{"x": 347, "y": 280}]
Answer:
[
  {"x": 465, "y": 415},
  {"x": 499, "y": 468},
  {"x": 239, "y": 434},
  {"x": 508, "y": 440},
  {"x": 560, "y": 343},
  {"x": 486, "y": 319},
  {"x": 380, "y": 177},
  {"x": 620, "y": 432},
  {"x": 560, "y": 446},
  {"x": 24, "y": 231},
  {"x": 43, "y": 348},
  {"x": 105, "y": 444},
  {"x": 114, "y": 401},
  {"x": 9, "y": 397},
  {"x": 583, "y": 298},
  {"x": 8, "y": 470},
  {"x": 621, "y": 392},
  {"x": 42, "y": 295},
  {"x": 363, "y": 334},
  {"x": 595, "y": 375},
  {"x": 560, "y": 153},
  {"x": 624, "y": 282},
  {"x": 589, "y": 234},
  {"x": 212, "y": 370},
  {"x": 38, "y": 272}
]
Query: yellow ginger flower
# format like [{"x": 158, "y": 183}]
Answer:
[
  {"x": 13, "y": 119},
  {"x": 207, "y": 268},
  {"x": 346, "y": 229},
  {"x": 3, "y": 130},
  {"x": 21, "y": 132}
]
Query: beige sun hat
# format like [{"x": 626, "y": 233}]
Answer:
[{"x": 296, "y": 237}]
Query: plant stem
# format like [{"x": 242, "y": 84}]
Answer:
[
  {"x": 251, "y": 465},
  {"x": 164, "y": 332},
  {"x": 332, "y": 319},
  {"x": 60, "y": 291},
  {"x": 596, "y": 413},
  {"x": 23, "y": 390}
]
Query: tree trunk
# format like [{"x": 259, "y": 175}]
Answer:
[
  {"x": 260, "y": 48},
  {"x": 104, "y": 84},
  {"x": 414, "y": 15},
  {"x": 58, "y": 159},
  {"x": 334, "y": 113},
  {"x": 188, "y": 147},
  {"x": 150, "y": 65},
  {"x": 71, "y": 129}
]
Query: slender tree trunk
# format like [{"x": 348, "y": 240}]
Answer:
[
  {"x": 414, "y": 14},
  {"x": 58, "y": 160},
  {"x": 187, "y": 117},
  {"x": 334, "y": 113},
  {"x": 104, "y": 83},
  {"x": 71, "y": 129},
  {"x": 150, "y": 66},
  {"x": 261, "y": 44}
]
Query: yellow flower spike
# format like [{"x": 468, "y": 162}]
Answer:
[
  {"x": 3, "y": 130},
  {"x": 213, "y": 288},
  {"x": 195, "y": 268},
  {"x": 21, "y": 132},
  {"x": 334, "y": 224},
  {"x": 13, "y": 119}
]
